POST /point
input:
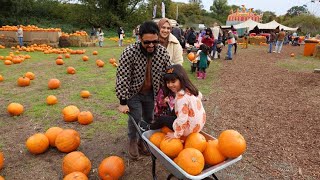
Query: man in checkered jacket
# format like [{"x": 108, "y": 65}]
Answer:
[{"x": 139, "y": 76}]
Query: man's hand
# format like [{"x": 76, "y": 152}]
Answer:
[{"x": 123, "y": 108}]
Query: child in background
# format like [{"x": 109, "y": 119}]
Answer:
[
  {"x": 190, "y": 114},
  {"x": 203, "y": 61},
  {"x": 100, "y": 35}
]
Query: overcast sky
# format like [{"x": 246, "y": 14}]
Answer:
[{"x": 280, "y": 7}]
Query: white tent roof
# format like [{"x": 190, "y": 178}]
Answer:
[
  {"x": 274, "y": 24},
  {"x": 249, "y": 24}
]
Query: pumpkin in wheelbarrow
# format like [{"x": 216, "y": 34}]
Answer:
[
  {"x": 196, "y": 140},
  {"x": 171, "y": 147},
  {"x": 212, "y": 155},
  {"x": 231, "y": 143},
  {"x": 156, "y": 138},
  {"x": 190, "y": 160}
]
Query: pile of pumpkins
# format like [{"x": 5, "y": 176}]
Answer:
[{"x": 193, "y": 152}]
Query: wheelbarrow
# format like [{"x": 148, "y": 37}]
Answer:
[{"x": 171, "y": 166}]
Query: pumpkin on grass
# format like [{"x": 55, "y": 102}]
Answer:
[
  {"x": 1, "y": 78},
  {"x": 156, "y": 138},
  {"x": 37, "y": 143},
  {"x": 190, "y": 160},
  {"x": 54, "y": 84},
  {"x": 52, "y": 134},
  {"x": 196, "y": 140},
  {"x": 67, "y": 140},
  {"x": 15, "y": 109},
  {"x": 85, "y": 58},
  {"x": 112, "y": 167},
  {"x": 67, "y": 55},
  {"x": 51, "y": 100},
  {"x": 95, "y": 53},
  {"x": 70, "y": 113},
  {"x": 112, "y": 60},
  {"x": 30, "y": 75},
  {"x": 1, "y": 160},
  {"x": 212, "y": 155},
  {"x": 171, "y": 147},
  {"x": 85, "y": 94},
  {"x": 231, "y": 143},
  {"x": 59, "y": 62},
  {"x": 85, "y": 117},
  {"x": 23, "y": 81},
  {"x": 76, "y": 176},
  {"x": 99, "y": 63},
  {"x": 71, "y": 70},
  {"x": 76, "y": 161}
]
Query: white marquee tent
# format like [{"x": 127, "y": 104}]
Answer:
[{"x": 250, "y": 25}]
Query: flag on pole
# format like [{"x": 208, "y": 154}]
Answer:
[
  {"x": 154, "y": 11},
  {"x": 163, "y": 10}
]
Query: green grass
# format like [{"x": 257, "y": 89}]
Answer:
[{"x": 300, "y": 64}]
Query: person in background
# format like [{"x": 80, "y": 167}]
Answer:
[
  {"x": 138, "y": 79},
  {"x": 208, "y": 39},
  {"x": 231, "y": 41},
  {"x": 280, "y": 39},
  {"x": 120, "y": 35},
  {"x": 245, "y": 40},
  {"x": 100, "y": 35},
  {"x": 272, "y": 39},
  {"x": 20, "y": 35},
  {"x": 191, "y": 37},
  {"x": 93, "y": 34},
  {"x": 170, "y": 42},
  {"x": 235, "y": 34},
  {"x": 176, "y": 31},
  {"x": 136, "y": 32},
  {"x": 203, "y": 56},
  {"x": 216, "y": 31}
]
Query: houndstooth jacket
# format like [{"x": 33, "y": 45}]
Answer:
[{"x": 132, "y": 70}]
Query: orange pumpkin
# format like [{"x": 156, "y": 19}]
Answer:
[
  {"x": 165, "y": 129},
  {"x": 190, "y": 160},
  {"x": 85, "y": 58},
  {"x": 59, "y": 62},
  {"x": 1, "y": 160},
  {"x": 71, "y": 70},
  {"x": 196, "y": 140},
  {"x": 95, "y": 53},
  {"x": 99, "y": 63},
  {"x": 191, "y": 56},
  {"x": 76, "y": 176},
  {"x": 212, "y": 155},
  {"x": 171, "y": 147},
  {"x": 51, "y": 100},
  {"x": 67, "y": 55},
  {"x": 7, "y": 62},
  {"x": 1, "y": 78},
  {"x": 112, "y": 60},
  {"x": 67, "y": 140},
  {"x": 15, "y": 109},
  {"x": 85, "y": 94},
  {"x": 37, "y": 143},
  {"x": 85, "y": 117},
  {"x": 112, "y": 167},
  {"x": 70, "y": 113},
  {"x": 52, "y": 134},
  {"x": 54, "y": 84},
  {"x": 156, "y": 138},
  {"x": 59, "y": 57},
  {"x": 30, "y": 75},
  {"x": 292, "y": 54},
  {"x": 76, "y": 162},
  {"x": 231, "y": 143},
  {"x": 23, "y": 81}
]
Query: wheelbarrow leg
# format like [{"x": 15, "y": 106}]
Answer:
[
  {"x": 154, "y": 166},
  {"x": 215, "y": 177}
]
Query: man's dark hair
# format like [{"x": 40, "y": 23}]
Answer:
[{"x": 148, "y": 27}]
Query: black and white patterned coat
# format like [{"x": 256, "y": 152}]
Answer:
[{"x": 132, "y": 70}]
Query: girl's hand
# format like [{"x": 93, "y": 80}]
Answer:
[
  {"x": 166, "y": 99},
  {"x": 170, "y": 135}
]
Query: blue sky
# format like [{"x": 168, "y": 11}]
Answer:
[{"x": 280, "y": 7}]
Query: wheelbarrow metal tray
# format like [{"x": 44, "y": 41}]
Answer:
[{"x": 173, "y": 168}]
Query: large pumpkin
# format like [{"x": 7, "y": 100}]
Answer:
[
  {"x": 231, "y": 143},
  {"x": 212, "y": 155},
  {"x": 85, "y": 117},
  {"x": 67, "y": 140},
  {"x": 76, "y": 176},
  {"x": 190, "y": 160},
  {"x": 51, "y": 100},
  {"x": 171, "y": 147},
  {"x": 54, "y": 84},
  {"x": 15, "y": 109},
  {"x": 52, "y": 134},
  {"x": 76, "y": 161},
  {"x": 70, "y": 113},
  {"x": 156, "y": 138},
  {"x": 1, "y": 160},
  {"x": 30, "y": 75},
  {"x": 112, "y": 167},
  {"x": 37, "y": 143},
  {"x": 23, "y": 81},
  {"x": 196, "y": 140}
]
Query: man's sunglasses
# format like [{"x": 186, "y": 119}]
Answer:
[{"x": 149, "y": 42}]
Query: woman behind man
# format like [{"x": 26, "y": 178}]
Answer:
[{"x": 170, "y": 42}]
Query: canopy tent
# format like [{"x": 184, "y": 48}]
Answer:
[
  {"x": 248, "y": 24},
  {"x": 274, "y": 25}
]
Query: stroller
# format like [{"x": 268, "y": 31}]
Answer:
[{"x": 295, "y": 41}]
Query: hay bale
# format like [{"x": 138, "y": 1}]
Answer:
[
  {"x": 88, "y": 44},
  {"x": 64, "y": 42},
  {"x": 54, "y": 45},
  {"x": 40, "y": 41}
]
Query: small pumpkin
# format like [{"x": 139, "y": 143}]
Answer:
[
  {"x": 15, "y": 109},
  {"x": 190, "y": 160},
  {"x": 95, "y": 53},
  {"x": 30, "y": 75},
  {"x": 85, "y": 94},
  {"x": 59, "y": 57},
  {"x": 99, "y": 63},
  {"x": 112, "y": 60},
  {"x": 70, "y": 113},
  {"x": 231, "y": 143},
  {"x": 54, "y": 84},
  {"x": 76, "y": 161},
  {"x": 292, "y": 55},
  {"x": 52, "y": 134},
  {"x": 156, "y": 138},
  {"x": 76, "y": 176},
  {"x": 71, "y": 70},
  {"x": 51, "y": 100},
  {"x": 1, "y": 160},
  {"x": 67, "y": 55},
  {"x": 85, "y": 117},
  {"x": 59, "y": 62},
  {"x": 37, "y": 143},
  {"x": 191, "y": 56},
  {"x": 1, "y": 78},
  {"x": 67, "y": 140},
  {"x": 85, "y": 58},
  {"x": 7, "y": 62},
  {"x": 171, "y": 147},
  {"x": 196, "y": 140},
  {"x": 112, "y": 167},
  {"x": 23, "y": 81}
]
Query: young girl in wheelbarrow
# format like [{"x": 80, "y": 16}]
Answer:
[{"x": 190, "y": 114}]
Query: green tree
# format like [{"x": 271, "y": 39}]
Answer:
[
  {"x": 297, "y": 10},
  {"x": 268, "y": 16},
  {"x": 220, "y": 10}
]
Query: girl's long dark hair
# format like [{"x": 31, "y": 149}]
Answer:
[{"x": 177, "y": 72}]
